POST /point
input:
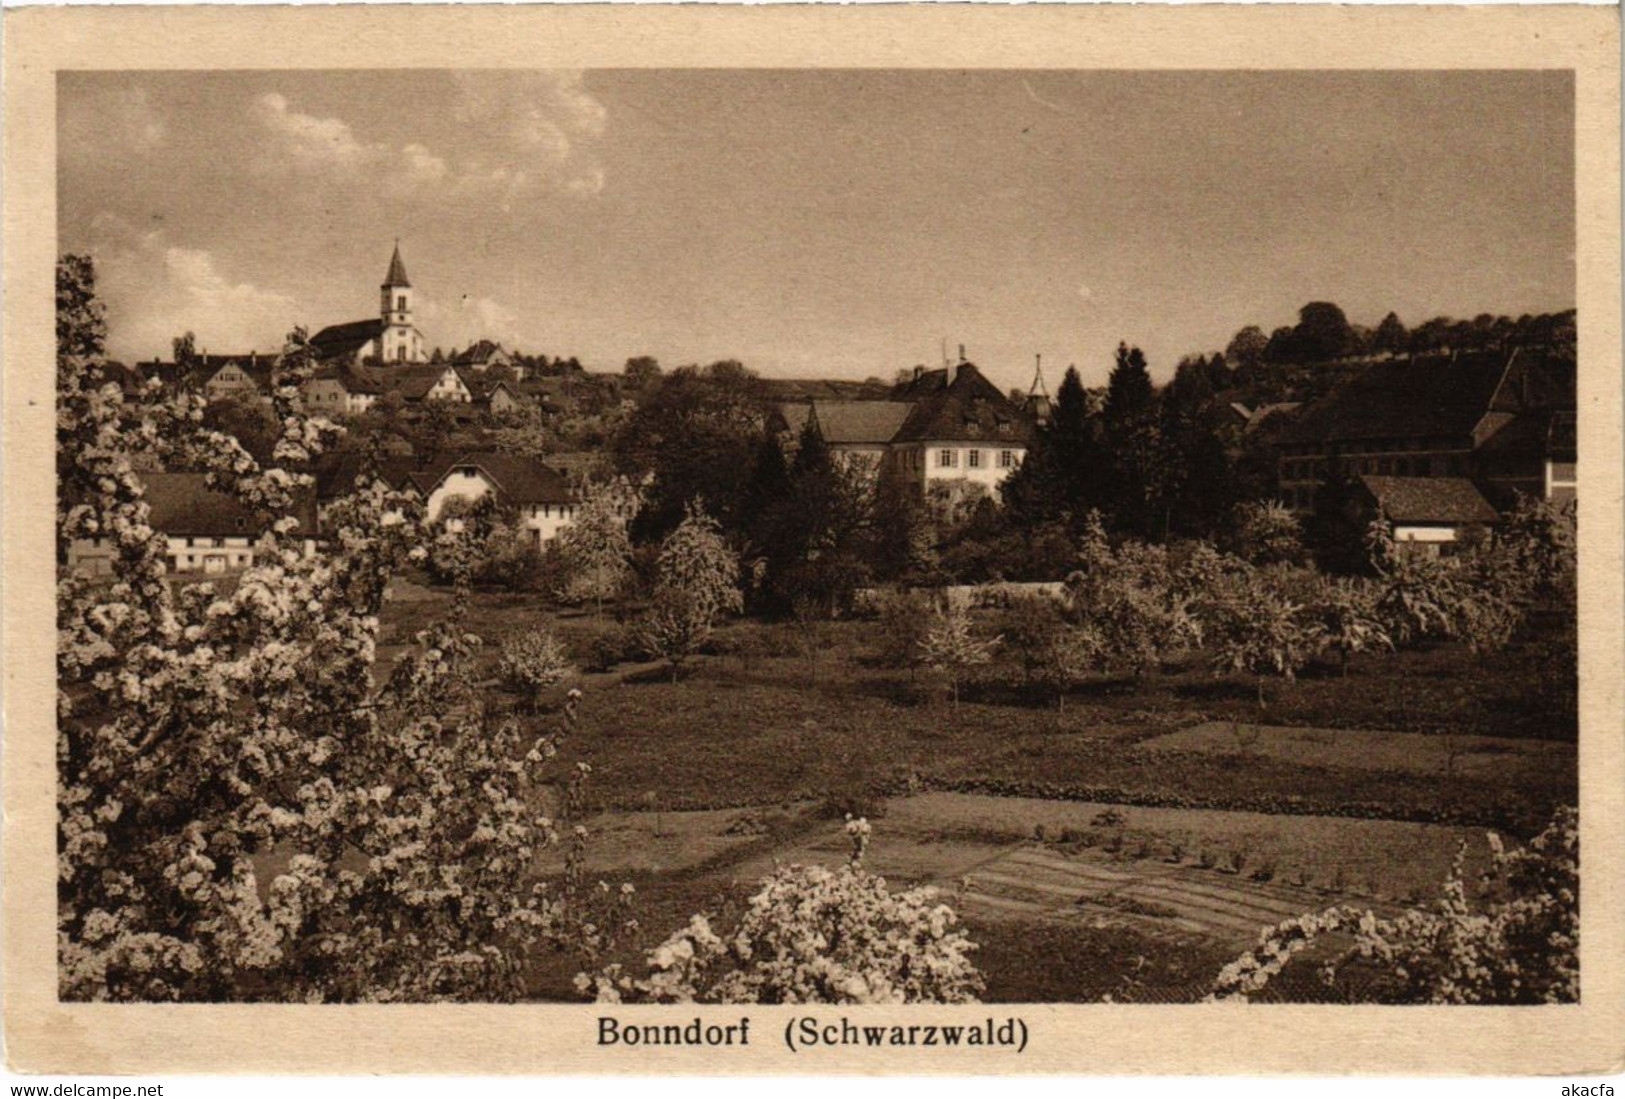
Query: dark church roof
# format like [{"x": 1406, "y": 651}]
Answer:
[
  {"x": 397, "y": 270},
  {"x": 342, "y": 341}
]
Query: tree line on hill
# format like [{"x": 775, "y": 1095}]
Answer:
[{"x": 1269, "y": 366}]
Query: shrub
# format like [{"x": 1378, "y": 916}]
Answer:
[
  {"x": 532, "y": 662},
  {"x": 674, "y": 627},
  {"x": 952, "y": 650},
  {"x": 904, "y": 617},
  {"x": 694, "y": 559},
  {"x": 811, "y": 935},
  {"x": 600, "y": 649},
  {"x": 511, "y": 559},
  {"x": 1266, "y": 533},
  {"x": 1516, "y": 941},
  {"x": 1262, "y": 632}
]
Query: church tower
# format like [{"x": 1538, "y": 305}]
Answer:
[{"x": 398, "y": 341}]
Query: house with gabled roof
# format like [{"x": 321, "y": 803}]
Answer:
[
  {"x": 1426, "y": 514},
  {"x": 345, "y": 389},
  {"x": 205, "y": 530},
  {"x": 856, "y": 432},
  {"x": 439, "y": 382},
  {"x": 539, "y": 497},
  {"x": 482, "y": 355}
]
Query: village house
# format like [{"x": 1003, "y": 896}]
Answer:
[
  {"x": 501, "y": 399},
  {"x": 1474, "y": 430},
  {"x": 216, "y": 377},
  {"x": 1428, "y": 514},
  {"x": 857, "y": 433},
  {"x": 417, "y": 384},
  {"x": 493, "y": 392},
  {"x": 539, "y": 497},
  {"x": 205, "y": 531},
  {"x": 235, "y": 377},
  {"x": 347, "y": 389},
  {"x": 482, "y": 355}
]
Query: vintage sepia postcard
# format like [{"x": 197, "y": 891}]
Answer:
[{"x": 813, "y": 539}]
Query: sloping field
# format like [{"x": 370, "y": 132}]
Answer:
[{"x": 1498, "y": 759}]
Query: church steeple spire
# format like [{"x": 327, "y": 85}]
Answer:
[
  {"x": 398, "y": 340},
  {"x": 397, "y": 269},
  {"x": 1038, "y": 402}
]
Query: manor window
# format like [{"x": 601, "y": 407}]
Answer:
[
  {"x": 975, "y": 459},
  {"x": 946, "y": 458},
  {"x": 1007, "y": 459}
]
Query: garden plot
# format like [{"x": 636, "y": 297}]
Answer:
[
  {"x": 1497, "y": 759},
  {"x": 1039, "y": 883},
  {"x": 1333, "y": 859}
]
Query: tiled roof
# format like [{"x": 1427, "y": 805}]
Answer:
[
  {"x": 336, "y": 473},
  {"x": 182, "y": 505},
  {"x": 344, "y": 340},
  {"x": 519, "y": 480},
  {"x": 479, "y": 352},
  {"x": 414, "y": 382},
  {"x": 1429, "y": 499},
  {"x": 968, "y": 409},
  {"x": 858, "y": 423}
]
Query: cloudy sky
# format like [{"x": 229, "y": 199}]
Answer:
[{"x": 837, "y": 223}]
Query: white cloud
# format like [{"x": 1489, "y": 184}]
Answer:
[
  {"x": 311, "y": 140},
  {"x": 156, "y": 289},
  {"x": 535, "y": 131},
  {"x": 470, "y": 318}
]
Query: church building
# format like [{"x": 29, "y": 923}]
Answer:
[{"x": 391, "y": 337}]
